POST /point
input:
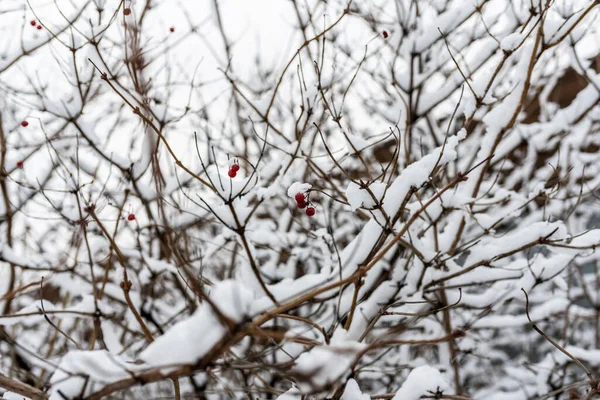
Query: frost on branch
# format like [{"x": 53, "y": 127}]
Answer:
[{"x": 343, "y": 200}]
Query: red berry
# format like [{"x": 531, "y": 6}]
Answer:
[
  {"x": 33, "y": 23},
  {"x": 19, "y": 164},
  {"x": 127, "y": 11},
  {"x": 299, "y": 197},
  {"x": 385, "y": 34},
  {"x": 39, "y": 27},
  {"x": 301, "y": 204},
  {"x": 232, "y": 173},
  {"x": 310, "y": 211},
  {"x": 24, "y": 124},
  {"x": 235, "y": 167},
  {"x": 171, "y": 29},
  {"x": 131, "y": 217}
]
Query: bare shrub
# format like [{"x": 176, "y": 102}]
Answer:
[{"x": 266, "y": 199}]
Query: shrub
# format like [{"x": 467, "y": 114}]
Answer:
[{"x": 311, "y": 199}]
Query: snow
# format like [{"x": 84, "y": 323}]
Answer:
[
  {"x": 356, "y": 143},
  {"x": 189, "y": 340},
  {"x": 501, "y": 115},
  {"x": 292, "y": 394},
  {"x": 417, "y": 173},
  {"x": 99, "y": 365},
  {"x": 359, "y": 197},
  {"x": 537, "y": 313},
  {"x": 13, "y": 396},
  {"x": 439, "y": 97},
  {"x": 421, "y": 381},
  {"x": 591, "y": 356},
  {"x": 510, "y": 42},
  {"x": 326, "y": 364},
  {"x": 492, "y": 247},
  {"x": 352, "y": 392},
  {"x": 298, "y": 187}
]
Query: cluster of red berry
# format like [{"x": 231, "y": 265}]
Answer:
[
  {"x": 34, "y": 23},
  {"x": 302, "y": 202},
  {"x": 24, "y": 125},
  {"x": 233, "y": 170}
]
